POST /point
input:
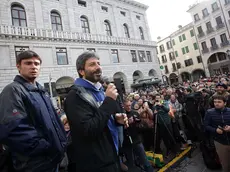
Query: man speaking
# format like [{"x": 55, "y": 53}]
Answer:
[{"x": 92, "y": 118}]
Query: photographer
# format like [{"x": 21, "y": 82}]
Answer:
[
  {"x": 164, "y": 128},
  {"x": 132, "y": 142},
  {"x": 146, "y": 124},
  {"x": 177, "y": 122}
]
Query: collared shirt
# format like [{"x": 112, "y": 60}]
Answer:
[{"x": 97, "y": 85}]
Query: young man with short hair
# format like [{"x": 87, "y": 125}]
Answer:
[
  {"x": 217, "y": 123},
  {"x": 29, "y": 125}
]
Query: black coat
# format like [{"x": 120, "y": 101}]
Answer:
[
  {"x": 91, "y": 137},
  {"x": 133, "y": 130}
]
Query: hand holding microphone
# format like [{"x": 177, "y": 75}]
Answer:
[
  {"x": 121, "y": 118},
  {"x": 111, "y": 91}
]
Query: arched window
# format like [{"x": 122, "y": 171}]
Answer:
[
  {"x": 56, "y": 21},
  {"x": 18, "y": 15},
  {"x": 84, "y": 24},
  {"x": 141, "y": 33},
  {"x": 107, "y": 28},
  {"x": 126, "y": 30}
]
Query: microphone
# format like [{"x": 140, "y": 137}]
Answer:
[
  {"x": 120, "y": 102},
  {"x": 105, "y": 82}
]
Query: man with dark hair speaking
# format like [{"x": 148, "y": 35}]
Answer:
[
  {"x": 92, "y": 117},
  {"x": 29, "y": 125}
]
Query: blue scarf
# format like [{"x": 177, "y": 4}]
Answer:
[{"x": 99, "y": 96}]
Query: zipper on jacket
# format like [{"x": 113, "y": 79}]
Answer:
[{"x": 224, "y": 123}]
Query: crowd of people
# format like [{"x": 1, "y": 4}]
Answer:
[{"x": 102, "y": 129}]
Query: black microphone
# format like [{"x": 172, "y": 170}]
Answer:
[
  {"x": 105, "y": 82},
  {"x": 120, "y": 102}
]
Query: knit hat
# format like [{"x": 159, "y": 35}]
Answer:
[{"x": 221, "y": 85}]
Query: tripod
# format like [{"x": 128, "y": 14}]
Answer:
[{"x": 156, "y": 130}]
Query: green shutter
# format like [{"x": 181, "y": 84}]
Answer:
[
  {"x": 187, "y": 50},
  {"x": 180, "y": 38},
  {"x": 173, "y": 42},
  {"x": 191, "y": 33},
  {"x": 184, "y": 37},
  {"x": 195, "y": 46},
  {"x": 176, "y": 53},
  {"x": 183, "y": 50}
]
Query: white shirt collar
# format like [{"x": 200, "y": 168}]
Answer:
[{"x": 97, "y": 85}]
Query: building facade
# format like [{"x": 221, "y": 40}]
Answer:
[
  {"x": 212, "y": 24},
  {"x": 60, "y": 30},
  {"x": 179, "y": 56}
]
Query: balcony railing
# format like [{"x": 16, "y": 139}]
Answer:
[
  {"x": 224, "y": 44},
  {"x": 172, "y": 58},
  {"x": 63, "y": 35},
  {"x": 219, "y": 26},
  {"x": 200, "y": 35},
  {"x": 168, "y": 48},
  {"x": 206, "y": 15},
  {"x": 206, "y": 50},
  {"x": 210, "y": 30},
  {"x": 174, "y": 70},
  {"x": 196, "y": 20},
  {"x": 214, "y": 47},
  {"x": 164, "y": 61},
  {"x": 214, "y": 10}
]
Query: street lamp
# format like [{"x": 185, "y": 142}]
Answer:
[{"x": 50, "y": 86}]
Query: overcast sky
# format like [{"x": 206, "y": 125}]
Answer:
[{"x": 164, "y": 16}]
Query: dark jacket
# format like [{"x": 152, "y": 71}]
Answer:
[
  {"x": 93, "y": 143},
  {"x": 192, "y": 106},
  {"x": 30, "y": 127},
  {"x": 215, "y": 118},
  {"x": 133, "y": 130},
  {"x": 163, "y": 113}
]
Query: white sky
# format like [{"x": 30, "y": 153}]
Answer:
[{"x": 164, "y": 16}]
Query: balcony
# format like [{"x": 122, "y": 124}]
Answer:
[
  {"x": 200, "y": 35},
  {"x": 210, "y": 30},
  {"x": 168, "y": 48},
  {"x": 34, "y": 33},
  {"x": 174, "y": 70},
  {"x": 206, "y": 50},
  {"x": 224, "y": 44},
  {"x": 219, "y": 26},
  {"x": 162, "y": 51},
  {"x": 164, "y": 61},
  {"x": 214, "y": 47},
  {"x": 197, "y": 20},
  {"x": 214, "y": 10},
  {"x": 206, "y": 15},
  {"x": 172, "y": 58}
]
